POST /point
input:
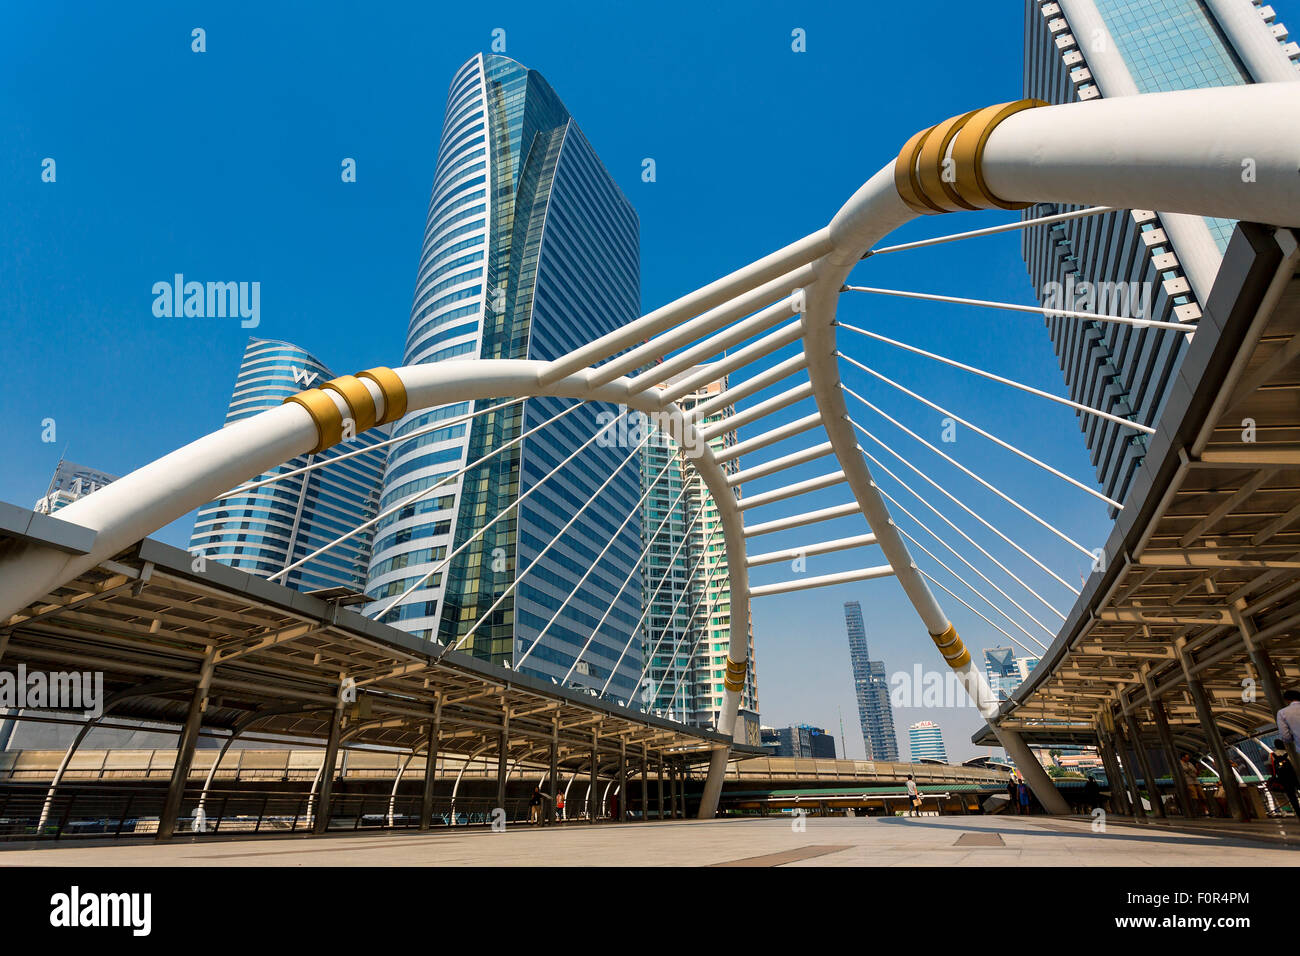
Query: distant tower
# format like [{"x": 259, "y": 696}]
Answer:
[
  {"x": 872, "y": 689},
  {"x": 926, "y": 740}
]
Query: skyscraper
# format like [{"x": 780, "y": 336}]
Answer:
[
  {"x": 925, "y": 739},
  {"x": 684, "y": 582},
  {"x": 1138, "y": 263},
  {"x": 871, "y": 686},
  {"x": 69, "y": 483},
  {"x": 530, "y": 249},
  {"x": 801, "y": 741},
  {"x": 269, "y": 528},
  {"x": 1002, "y": 672}
]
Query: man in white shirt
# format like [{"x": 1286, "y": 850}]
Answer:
[{"x": 1288, "y": 718}]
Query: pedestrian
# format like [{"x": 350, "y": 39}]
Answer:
[
  {"x": 1192, "y": 777},
  {"x": 1013, "y": 796},
  {"x": 1091, "y": 793},
  {"x": 535, "y": 806},
  {"x": 559, "y": 806},
  {"x": 1282, "y": 776},
  {"x": 1288, "y": 718},
  {"x": 913, "y": 795},
  {"x": 1022, "y": 791}
]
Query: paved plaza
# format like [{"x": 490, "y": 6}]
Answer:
[{"x": 833, "y": 841}]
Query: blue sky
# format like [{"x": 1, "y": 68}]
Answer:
[{"x": 225, "y": 166}]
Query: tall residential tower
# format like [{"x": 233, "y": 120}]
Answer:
[{"x": 871, "y": 685}]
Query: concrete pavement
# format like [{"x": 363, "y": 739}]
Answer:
[{"x": 823, "y": 841}]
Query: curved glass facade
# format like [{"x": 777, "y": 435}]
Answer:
[
  {"x": 530, "y": 249},
  {"x": 271, "y": 527}
]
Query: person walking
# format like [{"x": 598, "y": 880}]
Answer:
[
  {"x": 535, "y": 806},
  {"x": 1013, "y": 796},
  {"x": 1288, "y": 718},
  {"x": 1192, "y": 777},
  {"x": 1022, "y": 791},
  {"x": 559, "y": 806},
  {"x": 1282, "y": 776},
  {"x": 913, "y": 796}
]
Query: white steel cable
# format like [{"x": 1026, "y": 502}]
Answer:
[{"x": 1002, "y": 381}]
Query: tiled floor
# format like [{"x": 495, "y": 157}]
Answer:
[{"x": 830, "y": 841}]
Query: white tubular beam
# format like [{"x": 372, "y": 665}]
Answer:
[
  {"x": 780, "y": 433},
  {"x": 971, "y": 541},
  {"x": 432, "y": 426},
  {"x": 755, "y": 412},
  {"x": 792, "y": 490},
  {"x": 760, "y": 321},
  {"x": 694, "y": 331},
  {"x": 1187, "y": 160},
  {"x": 979, "y": 431},
  {"x": 715, "y": 293},
  {"x": 801, "y": 520},
  {"x": 1031, "y": 309},
  {"x": 739, "y": 359},
  {"x": 811, "y": 550},
  {"x": 960, "y": 504},
  {"x": 1257, "y": 48},
  {"x": 823, "y": 581},
  {"x": 420, "y": 495},
  {"x": 992, "y": 230},
  {"x": 742, "y": 390},
  {"x": 980, "y": 594},
  {"x": 956, "y": 597},
  {"x": 1000, "y": 380},
  {"x": 970, "y": 474},
  {"x": 780, "y": 464}
]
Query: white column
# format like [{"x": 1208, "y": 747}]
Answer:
[{"x": 1253, "y": 41}]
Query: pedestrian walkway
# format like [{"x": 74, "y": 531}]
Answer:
[{"x": 814, "y": 841}]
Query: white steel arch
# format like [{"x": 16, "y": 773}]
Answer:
[{"x": 1188, "y": 160}]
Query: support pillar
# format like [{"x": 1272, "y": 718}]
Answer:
[
  {"x": 660, "y": 814},
  {"x": 1221, "y": 761},
  {"x": 672, "y": 790},
  {"x": 593, "y": 792},
  {"x": 503, "y": 758},
  {"x": 1171, "y": 757},
  {"x": 322, "y": 820},
  {"x": 1144, "y": 761},
  {"x": 1115, "y": 774},
  {"x": 645, "y": 783},
  {"x": 1128, "y": 767},
  {"x": 551, "y": 816},
  {"x": 622, "y": 779},
  {"x": 1035, "y": 776},
  {"x": 185, "y": 748},
  {"x": 431, "y": 764},
  {"x": 1264, "y": 670}
]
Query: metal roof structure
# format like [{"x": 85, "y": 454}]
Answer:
[{"x": 146, "y": 619}]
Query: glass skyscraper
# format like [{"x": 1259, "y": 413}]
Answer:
[
  {"x": 530, "y": 250},
  {"x": 871, "y": 685},
  {"x": 684, "y": 579},
  {"x": 269, "y": 528},
  {"x": 925, "y": 739},
  {"x": 1140, "y": 263}
]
